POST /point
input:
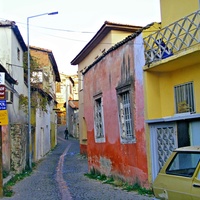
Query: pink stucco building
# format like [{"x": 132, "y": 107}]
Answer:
[{"x": 114, "y": 112}]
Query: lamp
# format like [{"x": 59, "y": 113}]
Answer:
[{"x": 29, "y": 86}]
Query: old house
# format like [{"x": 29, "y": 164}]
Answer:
[
  {"x": 44, "y": 105},
  {"x": 108, "y": 35},
  {"x": 171, "y": 75},
  {"x": 15, "y": 146},
  {"x": 114, "y": 111},
  {"x": 67, "y": 98}
]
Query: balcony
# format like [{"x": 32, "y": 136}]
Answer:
[{"x": 174, "y": 40}]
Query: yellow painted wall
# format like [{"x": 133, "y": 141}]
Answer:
[
  {"x": 53, "y": 135},
  {"x": 159, "y": 89},
  {"x": 173, "y": 10},
  {"x": 155, "y": 27}
]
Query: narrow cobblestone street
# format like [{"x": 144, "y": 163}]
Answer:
[{"x": 60, "y": 176}]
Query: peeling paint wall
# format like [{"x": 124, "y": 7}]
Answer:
[{"x": 122, "y": 66}]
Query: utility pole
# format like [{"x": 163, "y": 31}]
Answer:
[{"x": 3, "y": 121}]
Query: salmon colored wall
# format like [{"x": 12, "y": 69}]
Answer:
[
  {"x": 127, "y": 161},
  {"x": 83, "y": 149}
]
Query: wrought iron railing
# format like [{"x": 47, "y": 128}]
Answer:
[{"x": 172, "y": 39}]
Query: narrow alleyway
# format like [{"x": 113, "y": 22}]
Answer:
[{"x": 60, "y": 176}]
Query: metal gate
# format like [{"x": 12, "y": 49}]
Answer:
[{"x": 163, "y": 142}]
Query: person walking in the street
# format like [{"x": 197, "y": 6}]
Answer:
[{"x": 66, "y": 134}]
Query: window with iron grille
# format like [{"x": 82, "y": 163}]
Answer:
[
  {"x": 98, "y": 120},
  {"x": 184, "y": 98},
  {"x": 126, "y": 121}
]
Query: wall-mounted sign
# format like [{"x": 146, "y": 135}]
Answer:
[
  {"x": 2, "y": 91},
  {"x": 3, "y": 117},
  {"x": 2, "y": 78},
  {"x": 3, "y": 105}
]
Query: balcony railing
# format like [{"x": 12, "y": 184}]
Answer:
[{"x": 172, "y": 39}]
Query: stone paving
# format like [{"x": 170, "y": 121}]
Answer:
[{"x": 60, "y": 176}]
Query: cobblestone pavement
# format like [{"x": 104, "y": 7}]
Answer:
[{"x": 60, "y": 176}]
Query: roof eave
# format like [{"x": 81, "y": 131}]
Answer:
[{"x": 103, "y": 31}]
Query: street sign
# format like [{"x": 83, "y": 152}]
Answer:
[
  {"x": 3, "y": 105},
  {"x": 2, "y": 91},
  {"x": 2, "y": 77},
  {"x": 3, "y": 117}
]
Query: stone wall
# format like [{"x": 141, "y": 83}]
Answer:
[{"x": 19, "y": 147}]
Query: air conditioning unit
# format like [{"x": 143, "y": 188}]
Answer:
[{"x": 9, "y": 96}]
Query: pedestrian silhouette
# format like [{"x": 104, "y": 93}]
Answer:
[{"x": 66, "y": 134}]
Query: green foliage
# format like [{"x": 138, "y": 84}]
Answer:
[
  {"x": 23, "y": 103},
  {"x": 7, "y": 189},
  {"x": 34, "y": 64},
  {"x": 43, "y": 103},
  {"x": 5, "y": 174},
  {"x": 94, "y": 174},
  {"x": 138, "y": 188}
]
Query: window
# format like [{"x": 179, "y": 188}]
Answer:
[
  {"x": 184, "y": 164},
  {"x": 18, "y": 54},
  {"x": 98, "y": 120},
  {"x": 37, "y": 77},
  {"x": 126, "y": 122},
  {"x": 184, "y": 98}
]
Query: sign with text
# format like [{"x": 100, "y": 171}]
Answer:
[
  {"x": 3, "y": 117},
  {"x": 2, "y": 78},
  {"x": 3, "y": 105},
  {"x": 2, "y": 91}
]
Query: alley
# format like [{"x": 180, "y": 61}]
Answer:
[{"x": 60, "y": 176}]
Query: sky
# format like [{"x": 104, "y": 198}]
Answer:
[{"x": 77, "y": 21}]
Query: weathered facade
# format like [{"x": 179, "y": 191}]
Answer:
[
  {"x": 44, "y": 105},
  {"x": 67, "y": 98},
  {"x": 108, "y": 35},
  {"x": 114, "y": 112},
  {"x": 12, "y": 48}
]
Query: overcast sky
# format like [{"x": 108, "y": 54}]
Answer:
[{"x": 76, "y": 23}]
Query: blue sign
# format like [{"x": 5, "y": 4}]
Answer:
[{"x": 3, "y": 105}]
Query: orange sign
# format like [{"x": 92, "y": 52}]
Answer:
[{"x": 3, "y": 117}]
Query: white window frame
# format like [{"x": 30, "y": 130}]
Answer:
[
  {"x": 184, "y": 94},
  {"x": 126, "y": 120},
  {"x": 99, "y": 119}
]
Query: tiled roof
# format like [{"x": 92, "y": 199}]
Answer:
[{"x": 51, "y": 58}]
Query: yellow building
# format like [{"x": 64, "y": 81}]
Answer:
[{"x": 172, "y": 84}]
